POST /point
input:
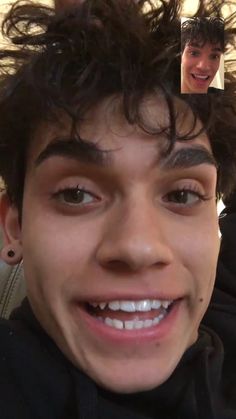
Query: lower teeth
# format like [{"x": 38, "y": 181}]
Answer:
[
  {"x": 132, "y": 324},
  {"x": 199, "y": 78}
]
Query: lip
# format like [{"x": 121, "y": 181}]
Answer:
[
  {"x": 110, "y": 335},
  {"x": 201, "y": 82},
  {"x": 130, "y": 296},
  {"x": 201, "y": 75}
]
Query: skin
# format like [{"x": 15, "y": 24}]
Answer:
[
  {"x": 199, "y": 60},
  {"x": 128, "y": 237}
]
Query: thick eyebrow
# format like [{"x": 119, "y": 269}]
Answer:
[
  {"x": 89, "y": 153},
  {"x": 79, "y": 150},
  {"x": 187, "y": 157},
  {"x": 196, "y": 45},
  {"x": 217, "y": 49}
]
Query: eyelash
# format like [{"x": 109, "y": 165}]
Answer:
[
  {"x": 191, "y": 190},
  {"x": 72, "y": 189},
  {"x": 196, "y": 54},
  {"x": 186, "y": 189},
  {"x": 215, "y": 57}
]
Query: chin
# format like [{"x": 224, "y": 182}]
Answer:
[
  {"x": 133, "y": 383},
  {"x": 133, "y": 386}
]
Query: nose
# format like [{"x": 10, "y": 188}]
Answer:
[
  {"x": 134, "y": 240},
  {"x": 203, "y": 64}
]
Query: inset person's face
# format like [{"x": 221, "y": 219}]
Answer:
[
  {"x": 199, "y": 66},
  {"x": 120, "y": 255}
]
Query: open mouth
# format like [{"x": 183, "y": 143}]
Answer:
[
  {"x": 130, "y": 315},
  {"x": 200, "y": 77}
]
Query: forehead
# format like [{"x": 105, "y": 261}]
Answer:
[{"x": 106, "y": 126}]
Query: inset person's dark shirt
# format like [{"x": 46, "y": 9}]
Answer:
[{"x": 214, "y": 90}]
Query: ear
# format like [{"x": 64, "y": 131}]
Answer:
[{"x": 11, "y": 252}]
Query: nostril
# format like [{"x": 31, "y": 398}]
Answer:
[{"x": 119, "y": 266}]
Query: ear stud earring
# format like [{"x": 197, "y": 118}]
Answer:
[{"x": 10, "y": 253}]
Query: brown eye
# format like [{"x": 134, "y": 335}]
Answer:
[
  {"x": 74, "y": 196},
  {"x": 215, "y": 57},
  {"x": 183, "y": 197},
  {"x": 194, "y": 53}
]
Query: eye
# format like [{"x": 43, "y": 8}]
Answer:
[
  {"x": 74, "y": 196},
  {"x": 194, "y": 53},
  {"x": 215, "y": 57},
  {"x": 184, "y": 197}
]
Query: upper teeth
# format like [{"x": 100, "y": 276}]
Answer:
[
  {"x": 201, "y": 77},
  {"x": 132, "y": 306}
]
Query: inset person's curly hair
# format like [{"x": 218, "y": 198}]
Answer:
[
  {"x": 202, "y": 30},
  {"x": 72, "y": 60}
]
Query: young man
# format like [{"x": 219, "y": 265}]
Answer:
[
  {"x": 202, "y": 44},
  {"x": 111, "y": 184}
]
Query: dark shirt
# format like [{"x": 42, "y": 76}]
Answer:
[
  {"x": 214, "y": 90},
  {"x": 38, "y": 382}
]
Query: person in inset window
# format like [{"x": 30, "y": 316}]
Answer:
[{"x": 202, "y": 44}]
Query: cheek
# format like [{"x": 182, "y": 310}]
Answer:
[
  {"x": 188, "y": 64},
  {"x": 197, "y": 247},
  {"x": 198, "y": 254},
  {"x": 184, "y": 65},
  {"x": 57, "y": 250},
  {"x": 215, "y": 67},
  {"x": 201, "y": 259}
]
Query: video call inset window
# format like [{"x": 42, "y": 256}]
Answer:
[{"x": 202, "y": 55}]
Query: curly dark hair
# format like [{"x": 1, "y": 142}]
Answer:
[
  {"x": 202, "y": 30},
  {"x": 72, "y": 60}
]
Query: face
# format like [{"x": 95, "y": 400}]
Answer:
[
  {"x": 199, "y": 67},
  {"x": 120, "y": 254}
]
